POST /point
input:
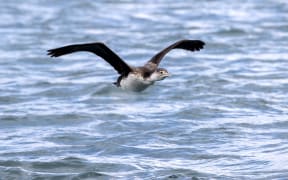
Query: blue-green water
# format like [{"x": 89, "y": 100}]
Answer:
[{"x": 223, "y": 114}]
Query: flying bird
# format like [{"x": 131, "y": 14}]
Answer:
[{"x": 131, "y": 78}]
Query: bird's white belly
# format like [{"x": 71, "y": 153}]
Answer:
[{"x": 134, "y": 83}]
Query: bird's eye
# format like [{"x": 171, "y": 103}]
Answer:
[{"x": 161, "y": 72}]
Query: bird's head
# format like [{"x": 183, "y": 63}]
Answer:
[{"x": 159, "y": 74}]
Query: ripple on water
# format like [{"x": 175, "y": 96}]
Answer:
[{"x": 221, "y": 115}]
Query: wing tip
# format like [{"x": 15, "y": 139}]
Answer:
[
  {"x": 51, "y": 53},
  {"x": 193, "y": 45},
  {"x": 199, "y": 45}
]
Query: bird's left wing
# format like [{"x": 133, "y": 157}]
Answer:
[{"x": 191, "y": 45}]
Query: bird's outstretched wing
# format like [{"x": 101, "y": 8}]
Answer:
[
  {"x": 190, "y": 45},
  {"x": 97, "y": 48}
]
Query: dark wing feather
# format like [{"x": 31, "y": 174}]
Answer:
[
  {"x": 97, "y": 48},
  {"x": 190, "y": 45}
]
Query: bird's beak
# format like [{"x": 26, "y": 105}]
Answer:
[{"x": 166, "y": 75}]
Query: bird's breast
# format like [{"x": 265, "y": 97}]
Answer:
[{"x": 134, "y": 82}]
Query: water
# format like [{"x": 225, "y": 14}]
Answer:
[{"x": 221, "y": 115}]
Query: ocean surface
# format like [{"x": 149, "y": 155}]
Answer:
[{"x": 223, "y": 114}]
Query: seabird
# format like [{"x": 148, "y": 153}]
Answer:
[{"x": 131, "y": 78}]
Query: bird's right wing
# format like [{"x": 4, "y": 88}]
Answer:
[{"x": 97, "y": 48}]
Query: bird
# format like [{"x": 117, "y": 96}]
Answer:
[{"x": 131, "y": 78}]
